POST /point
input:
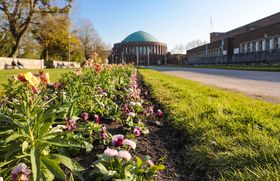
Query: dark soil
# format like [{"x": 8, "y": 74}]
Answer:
[{"x": 161, "y": 143}]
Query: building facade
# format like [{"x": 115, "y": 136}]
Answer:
[
  {"x": 139, "y": 48},
  {"x": 257, "y": 42}
]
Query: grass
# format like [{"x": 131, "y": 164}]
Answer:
[
  {"x": 238, "y": 67},
  {"x": 6, "y": 74},
  {"x": 226, "y": 135}
]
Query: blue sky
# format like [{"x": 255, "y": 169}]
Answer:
[{"x": 170, "y": 21}]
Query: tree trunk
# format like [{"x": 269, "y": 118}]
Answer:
[
  {"x": 14, "y": 52},
  {"x": 47, "y": 55}
]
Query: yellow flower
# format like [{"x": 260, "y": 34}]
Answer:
[{"x": 32, "y": 80}]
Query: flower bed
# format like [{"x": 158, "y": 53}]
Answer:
[{"x": 92, "y": 117}]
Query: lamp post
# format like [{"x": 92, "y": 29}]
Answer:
[
  {"x": 69, "y": 37},
  {"x": 148, "y": 62}
]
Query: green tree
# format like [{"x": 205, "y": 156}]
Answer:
[
  {"x": 53, "y": 35},
  {"x": 19, "y": 15}
]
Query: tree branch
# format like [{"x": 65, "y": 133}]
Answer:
[{"x": 18, "y": 4}]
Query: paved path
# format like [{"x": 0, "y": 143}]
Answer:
[{"x": 259, "y": 84}]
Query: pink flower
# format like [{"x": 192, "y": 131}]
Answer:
[
  {"x": 103, "y": 133},
  {"x": 124, "y": 154},
  {"x": 97, "y": 119},
  {"x": 57, "y": 85},
  {"x": 150, "y": 163},
  {"x": 117, "y": 140},
  {"x": 160, "y": 113},
  {"x": 110, "y": 152},
  {"x": 99, "y": 90},
  {"x": 71, "y": 124},
  {"x": 78, "y": 71},
  {"x": 131, "y": 114},
  {"x": 20, "y": 172},
  {"x": 15, "y": 78},
  {"x": 137, "y": 131},
  {"x": 131, "y": 143},
  {"x": 85, "y": 116},
  {"x": 124, "y": 108},
  {"x": 21, "y": 77},
  {"x": 35, "y": 90}
]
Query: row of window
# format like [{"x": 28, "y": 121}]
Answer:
[
  {"x": 142, "y": 50},
  {"x": 207, "y": 53},
  {"x": 261, "y": 45}
]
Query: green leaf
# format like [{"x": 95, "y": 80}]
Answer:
[
  {"x": 101, "y": 168},
  {"x": 62, "y": 143},
  {"x": 139, "y": 162},
  {"x": 11, "y": 151},
  {"x": 47, "y": 174},
  {"x": 11, "y": 121},
  {"x": 45, "y": 128},
  {"x": 54, "y": 167},
  {"x": 73, "y": 166},
  {"x": 156, "y": 168},
  {"x": 35, "y": 163},
  {"x": 24, "y": 146},
  {"x": 13, "y": 137},
  {"x": 6, "y": 132}
]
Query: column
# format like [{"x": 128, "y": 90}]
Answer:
[
  {"x": 271, "y": 44},
  {"x": 257, "y": 46},
  {"x": 263, "y": 45}
]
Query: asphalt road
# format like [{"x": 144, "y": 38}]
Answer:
[{"x": 258, "y": 84}]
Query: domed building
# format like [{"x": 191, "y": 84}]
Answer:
[{"x": 140, "y": 48}]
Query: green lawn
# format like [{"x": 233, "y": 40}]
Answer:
[
  {"x": 6, "y": 74},
  {"x": 226, "y": 135},
  {"x": 237, "y": 67}
]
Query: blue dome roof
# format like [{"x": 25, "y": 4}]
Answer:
[{"x": 140, "y": 36}]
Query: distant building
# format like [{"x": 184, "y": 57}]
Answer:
[
  {"x": 139, "y": 48},
  {"x": 257, "y": 42}
]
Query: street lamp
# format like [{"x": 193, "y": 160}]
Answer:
[
  {"x": 69, "y": 37},
  {"x": 148, "y": 62}
]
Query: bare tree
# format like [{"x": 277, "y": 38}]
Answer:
[
  {"x": 181, "y": 48},
  {"x": 88, "y": 36},
  {"x": 20, "y": 13},
  {"x": 195, "y": 43}
]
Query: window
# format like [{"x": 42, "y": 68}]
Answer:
[
  {"x": 243, "y": 48},
  {"x": 267, "y": 44},
  {"x": 260, "y": 45},
  {"x": 277, "y": 43},
  {"x": 145, "y": 50},
  {"x": 254, "y": 47},
  {"x": 249, "y": 48}
]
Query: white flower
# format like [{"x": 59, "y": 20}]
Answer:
[
  {"x": 132, "y": 104},
  {"x": 110, "y": 152},
  {"x": 58, "y": 128},
  {"x": 139, "y": 104},
  {"x": 131, "y": 143},
  {"x": 132, "y": 114},
  {"x": 124, "y": 154},
  {"x": 131, "y": 90},
  {"x": 1, "y": 179}
]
